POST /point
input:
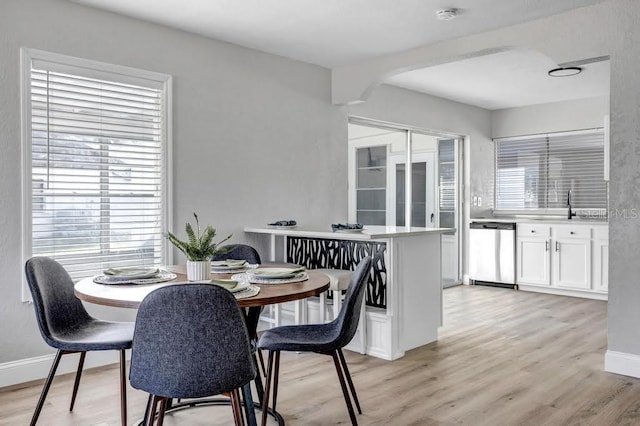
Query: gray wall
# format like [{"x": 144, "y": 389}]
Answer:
[
  {"x": 549, "y": 118},
  {"x": 624, "y": 231},
  {"x": 255, "y": 136}
]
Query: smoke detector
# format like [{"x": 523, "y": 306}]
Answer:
[{"x": 446, "y": 14}]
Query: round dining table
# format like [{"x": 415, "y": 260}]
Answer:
[{"x": 131, "y": 295}]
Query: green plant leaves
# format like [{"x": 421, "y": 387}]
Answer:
[{"x": 198, "y": 246}]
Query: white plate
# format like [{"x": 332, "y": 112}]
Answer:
[
  {"x": 228, "y": 262},
  {"x": 228, "y": 267}
]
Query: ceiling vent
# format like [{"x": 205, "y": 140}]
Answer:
[{"x": 446, "y": 14}]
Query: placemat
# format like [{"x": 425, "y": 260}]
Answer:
[
  {"x": 162, "y": 276},
  {"x": 302, "y": 276}
]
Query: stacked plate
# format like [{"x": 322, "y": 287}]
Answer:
[
  {"x": 228, "y": 266},
  {"x": 134, "y": 275},
  {"x": 240, "y": 289},
  {"x": 265, "y": 275}
]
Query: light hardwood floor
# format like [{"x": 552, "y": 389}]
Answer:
[{"x": 503, "y": 358}]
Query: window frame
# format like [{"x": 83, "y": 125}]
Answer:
[
  {"x": 96, "y": 69},
  {"x": 550, "y": 136}
]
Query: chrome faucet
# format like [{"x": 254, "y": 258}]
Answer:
[{"x": 570, "y": 213}]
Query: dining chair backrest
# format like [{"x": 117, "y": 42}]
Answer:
[
  {"x": 240, "y": 252},
  {"x": 190, "y": 341},
  {"x": 57, "y": 309},
  {"x": 347, "y": 321}
]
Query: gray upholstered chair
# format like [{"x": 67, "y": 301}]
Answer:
[
  {"x": 327, "y": 339},
  {"x": 240, "y": 252},
  {"x": 251, "y": 255},
  {"x": 190, "y": 341},
  {"x": 67, "y": 326}
]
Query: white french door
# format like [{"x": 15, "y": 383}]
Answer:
[{"x": 422, "y": 203}]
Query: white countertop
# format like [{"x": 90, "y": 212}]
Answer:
[
  {"x": 550, "y": 220},
  {"x": 369, "y": 232}
]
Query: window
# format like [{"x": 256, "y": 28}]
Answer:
[
  {"x": 536, "y": 172},
  {"x": 96, "y": 159}
]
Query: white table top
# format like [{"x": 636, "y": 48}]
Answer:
[{"x": 369, "y": 232}]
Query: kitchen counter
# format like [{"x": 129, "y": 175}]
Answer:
[
  {"x": 404, "y": 294},
  {"x": 550, "y": 220},
  {"x": 370, "y": 232}
]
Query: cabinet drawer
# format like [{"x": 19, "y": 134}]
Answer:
[
  {"x": 572, "y": 231},
  {"x": 533, "y": 230}
]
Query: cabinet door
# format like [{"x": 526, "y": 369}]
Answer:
[
  {"x": 601, "y": 265},
  {"x": 533, "y": 261},
  {"x": 572, "y": 263}
]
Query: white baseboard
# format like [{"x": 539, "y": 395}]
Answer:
[
  {"x": 26, "y": 370},
  {"x": 622, "y": 363}
]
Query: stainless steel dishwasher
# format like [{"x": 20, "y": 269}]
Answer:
[{"x": 492, "y": 253}]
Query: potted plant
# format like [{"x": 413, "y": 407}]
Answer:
[{"x": 199, "y": 248}]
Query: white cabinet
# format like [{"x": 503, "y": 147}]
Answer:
[
  {"x": 569, "y": 259},
  {"x": 572, "y": 257},
  {"x": 532, "y": 254}
]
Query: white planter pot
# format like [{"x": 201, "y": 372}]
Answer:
[{"x": 198, "y": 270}]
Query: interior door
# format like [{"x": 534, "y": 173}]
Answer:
[{"x": 423, "y": 194}]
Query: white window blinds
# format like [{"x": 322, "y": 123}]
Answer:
[
  {"x": 98, "y": 151},
  {"x": 537, "y": 172}
]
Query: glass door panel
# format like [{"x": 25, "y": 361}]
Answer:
[{"x": 448, "y": 209}]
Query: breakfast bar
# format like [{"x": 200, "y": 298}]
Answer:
[{"x": 404, "y": 293}]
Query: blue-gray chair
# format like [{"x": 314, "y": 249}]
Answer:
[
  {"x": 251, "y": 255},
  {"x": 240, "y": 252},
  {"x": 67, "y": 326},
  {"x": 326, "y": 339},
  {"x": 190, "y": 341}
]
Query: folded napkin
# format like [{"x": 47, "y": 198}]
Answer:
[
  {"x": 284, "y": 223},
  {"x": 228, "y": 284},
  {"x": 228, "y": 262},
  {"x": 339, "y": 226},
  {"x": 280, "y": 272},
  {"x": 134, "y": 272}
]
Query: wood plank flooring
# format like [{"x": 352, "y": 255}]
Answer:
[{"x": 503, "y": 358}]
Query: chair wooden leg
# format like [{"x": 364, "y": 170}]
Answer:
[
  {"x": 123, "y": 388},
  {"x": 347, "y": 374},
  {"x": 76, "y": 383},
  {"x": 264, "y": 404},
  {"x": 150, "y": 415},
  {"x": 45, "y": 389},
  {"x": 237, "y": 409},
  {"x": 162, "y": 410},
  {"x": 276, "y": 375},
  {"x": 343, "y": 385}
]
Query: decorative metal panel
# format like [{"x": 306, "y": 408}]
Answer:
[{"x": 314, "y": 253}]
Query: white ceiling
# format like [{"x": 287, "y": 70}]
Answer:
[
  {"x": 505, "y": 80},
  {"x": 331, "y": 33}
]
